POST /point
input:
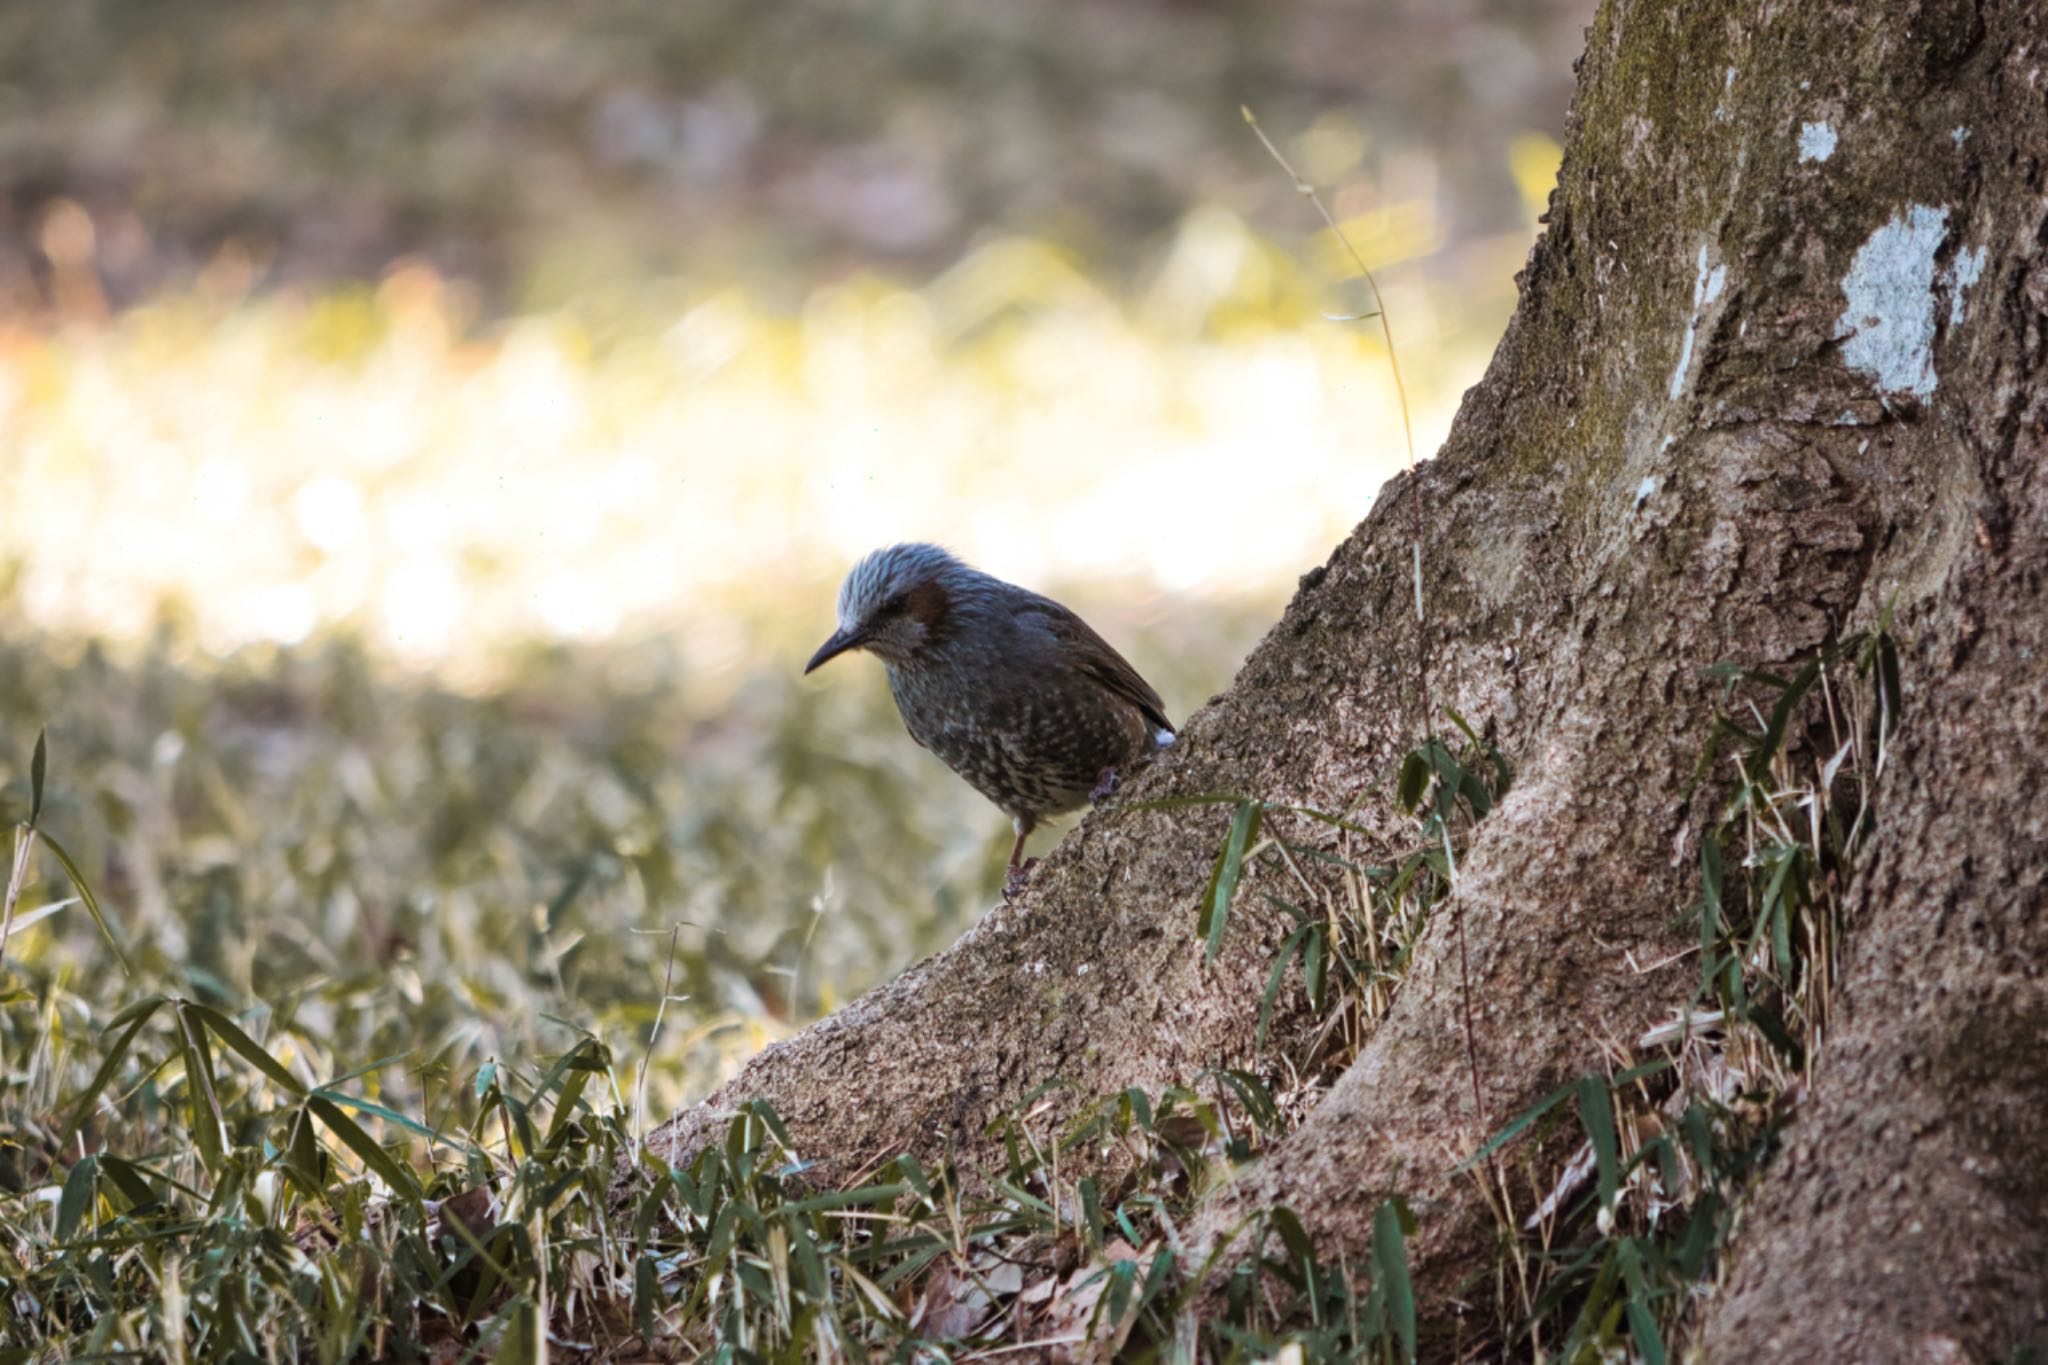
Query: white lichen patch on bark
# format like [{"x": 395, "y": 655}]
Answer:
[
  {"x": 1707, "y": 286},
  {"x": 1964, "y": 271},
  {"x": 1816, "y": 141},
  {"x": 1889, "y": 317}
]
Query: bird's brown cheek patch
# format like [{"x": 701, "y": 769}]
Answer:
[{"x": 927, "y": 605}]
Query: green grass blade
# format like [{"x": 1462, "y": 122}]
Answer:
[
  {"x": 250, "y": 1050},
  {"x": 135, "y": 1017},
  {"x": 1596, "y": 1111},
  {"x": 1413, "y": 781},
  {"x": 375, "y": 1157},
  {"x": 387, "y": 1114},
  {"x": 1295, "y": 1238},
  {"x": 38, "y": 764},
  {"x": 1252, "y": 1093},
  {"x": 204, "y": 1117},
  {"x": 844, "y": 1199},
  {"x": 1516, "y": 1127},
  {"x": 92, "y": 902},
  {"x": 1390, "y": 1274},
  {"x": 1781, "y": 713},
  {"x": 81, "y": 1187},
  {"x": 1244, "y": 827},
  {"x": 1642, "y": 1320},
  {"x": 1278, "y": 974},
  {"x": 133, "y": 1182}
]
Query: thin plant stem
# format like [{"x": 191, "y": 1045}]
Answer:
[
  {"x": 24, "y": 842},
  {"x": 1308, "y": 192}
]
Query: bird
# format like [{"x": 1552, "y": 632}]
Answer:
[{"x": 1015, "y": 693}]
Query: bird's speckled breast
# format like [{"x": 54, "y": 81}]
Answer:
[{"x": 1033, "y": 741}]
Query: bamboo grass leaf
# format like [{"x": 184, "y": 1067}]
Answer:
[
  {"x": 1515, "y": 1128},
  {"x": 1390, "y": 1273},
  {"x": 1596, "y": 1111},
  {"x": 248, "y": 1048},
  {"x": 1244, "y": 828},
  {"x": 400, "y": 1180},
  {"x": 81, "y": 1188},
  {"x": 205, "y": 1120},
  {"x": 92, "y": 902},
  {"x": 131, "y": 1021},
  {"x": 38, "y": 764}
]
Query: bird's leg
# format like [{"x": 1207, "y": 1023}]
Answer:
[
  {"x": 1020, "y": 867},
  {"x": 1105, "y": 786}
]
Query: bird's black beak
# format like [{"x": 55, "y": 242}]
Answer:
[{"x": 841, "y": 641}]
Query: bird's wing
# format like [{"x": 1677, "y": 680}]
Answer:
[{"x": 1097, "y": 659}]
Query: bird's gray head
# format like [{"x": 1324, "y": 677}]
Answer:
[{"x": 896, "y": 601}]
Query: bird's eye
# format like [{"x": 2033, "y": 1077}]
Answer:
[{"x": 895, "y": 604}]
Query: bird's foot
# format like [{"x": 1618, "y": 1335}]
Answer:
[
  {"x": 1105, "y": 786},
  {"x": 1020, "y": 875}
]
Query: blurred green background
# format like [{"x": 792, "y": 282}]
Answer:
[{"x": 431, "y": 434}]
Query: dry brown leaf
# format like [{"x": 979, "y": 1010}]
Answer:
[{"x": 1069, "y": 1321}]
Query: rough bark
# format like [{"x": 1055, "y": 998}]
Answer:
[
  {"x": 1779, "y": 359},
  {"x": 1909, "y": 1220}
]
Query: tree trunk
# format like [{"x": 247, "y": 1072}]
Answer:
[{"x": 1778, "y": 361}]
